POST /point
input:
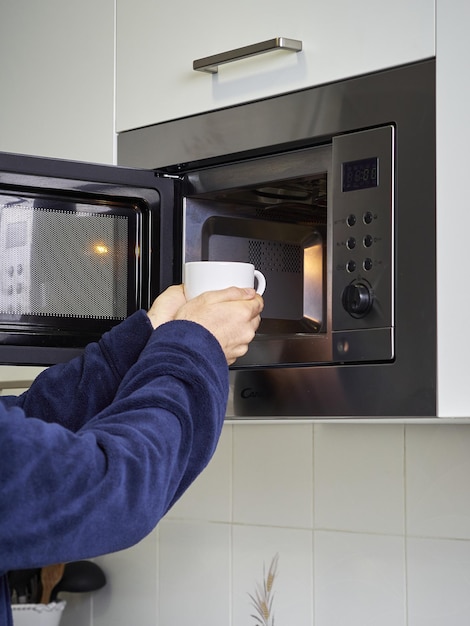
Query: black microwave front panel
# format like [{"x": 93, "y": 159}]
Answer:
[{"x": 82, "y": 247}]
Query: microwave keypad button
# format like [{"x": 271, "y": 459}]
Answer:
[
  {"x": 351, "y": 243},
  {"x": 19, "y": 288},
  {"x": 367, "y": 265},
  {"x": 368, "y": 241},
  {"x": 11, "y": 270},
  {"x": 10, "y": 290},
  {"x": 19, "y": 269},
  {"x": 368, "y": 217},
  {"x": 351, "y": 266},
  {"x": 351, "y": 219}
]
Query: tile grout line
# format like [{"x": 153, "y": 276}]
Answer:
[
  {"x": 231, "y": 492},
  {"x": 405, "y": 529},
  {"x": 312, "y": 607}
]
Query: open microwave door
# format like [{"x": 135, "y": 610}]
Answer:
[{"x": 82, "y": 247}]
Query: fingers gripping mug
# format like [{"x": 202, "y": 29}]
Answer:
[{"x": 200, "y": 276}]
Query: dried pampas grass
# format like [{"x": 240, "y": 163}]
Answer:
[{"x": 263, "y": 598}]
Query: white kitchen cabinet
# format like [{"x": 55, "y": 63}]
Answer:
[
  {"x": 453, "y": 207},
  {"x": 158, "y": 42},
  {"x": 57, "y": 78}
]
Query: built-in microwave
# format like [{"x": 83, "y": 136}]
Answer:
[{"x": 330, "y": 192}]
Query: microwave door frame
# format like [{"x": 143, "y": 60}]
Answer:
[{"x": 48, "y": 176}]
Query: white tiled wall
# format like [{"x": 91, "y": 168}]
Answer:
[
  {"x": 438, "y": 482},
  {"x": 273, "y": 475},
  {"x": 438, "y": 582},
  {"x": 370, "y": 523},
  {"x": 359, "y": 481},
  {"x": 359, "y": 579}
]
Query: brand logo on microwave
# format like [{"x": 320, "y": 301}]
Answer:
[{"x": 248, "y": 393}]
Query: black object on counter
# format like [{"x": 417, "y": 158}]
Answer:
[{"x": 80, "y": 577}]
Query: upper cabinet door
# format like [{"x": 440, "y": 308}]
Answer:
[
  {"x": 157, "y": 43},
  {"x": 57, "y": 79}
]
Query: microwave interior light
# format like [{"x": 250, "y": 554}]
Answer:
[{"x": 100, "y": 249}]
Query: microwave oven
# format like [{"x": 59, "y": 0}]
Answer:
[{"x": 330, "y": 192}]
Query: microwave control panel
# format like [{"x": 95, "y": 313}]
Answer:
[
  {"x": 16, "y": 225},
  {"x": 363, "y": 244}
]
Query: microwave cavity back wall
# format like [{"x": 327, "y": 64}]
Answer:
[{"x": 329, "y": 191}]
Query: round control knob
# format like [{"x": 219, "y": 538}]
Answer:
[{"x": 357, "y": 299}]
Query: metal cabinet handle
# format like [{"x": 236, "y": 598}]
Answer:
[{"x": 210, "y": 64}]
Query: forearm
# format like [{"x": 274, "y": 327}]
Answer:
[
  {"x": 69, "y": 495},
  {"x": 72, "y": 393}
]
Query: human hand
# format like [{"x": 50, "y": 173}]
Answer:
[
  {"x": 165, "y": 307},
  {"x": 232, "y": 315}
]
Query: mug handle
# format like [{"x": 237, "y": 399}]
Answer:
[{"x": 261, "y": 280}]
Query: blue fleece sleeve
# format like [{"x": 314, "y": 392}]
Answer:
[
  {"x": 69, "y": 495},
  {"x": 89, "y": 382}
]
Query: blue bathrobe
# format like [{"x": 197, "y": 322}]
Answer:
[{"x": 98, "y": 449}]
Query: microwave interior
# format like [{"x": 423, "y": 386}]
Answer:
[
  {"x": 281, "y": 228},
  {"x": 280, "y": 225}
]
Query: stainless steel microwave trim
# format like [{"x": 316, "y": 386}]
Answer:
[
  {"x": 404, "y": 98},
  {"x": 211, "y": 63},
  {"x": 291, "y": 119}
]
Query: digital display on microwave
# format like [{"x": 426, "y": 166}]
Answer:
[{"x": 360, "y": 174}]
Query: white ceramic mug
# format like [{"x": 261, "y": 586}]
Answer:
[{"x": 200, "y": 276}]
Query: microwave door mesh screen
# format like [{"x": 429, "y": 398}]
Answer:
[{"x": 63, "y": 263}]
